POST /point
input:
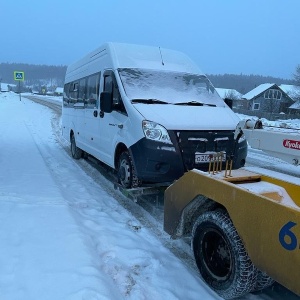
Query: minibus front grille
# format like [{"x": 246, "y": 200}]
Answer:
[{"x": 192, "y": 143}]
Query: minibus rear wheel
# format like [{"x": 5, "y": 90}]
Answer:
[
  {"x": 75, "y": 151},
  {"x": 126, "y": 173}
]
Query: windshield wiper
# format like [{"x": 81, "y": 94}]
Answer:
[
  {"x": 148, "y": 101},
  {"x": 194, "y": 103}
]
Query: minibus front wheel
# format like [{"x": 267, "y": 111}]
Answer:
[{"x": 126, "y": 173}]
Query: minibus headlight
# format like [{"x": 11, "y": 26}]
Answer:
[{"x": 155, "y": 132}]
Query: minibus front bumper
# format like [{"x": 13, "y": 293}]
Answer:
[
  {"x": 160, "y": 162},
  {"x": 156, "y": 161}
]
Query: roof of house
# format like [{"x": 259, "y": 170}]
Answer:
[
  {"x": 258, "y": 90},
  {"x": 288, "y": 87},
  {"x": 291, "y": 90},
  {"x": 295, "y": 105},
  {"x": 225, "y": 93}
]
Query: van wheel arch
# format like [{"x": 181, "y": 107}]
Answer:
[
  {"x": 71, "y": 134},
  {"x": 118, "y": 151}
]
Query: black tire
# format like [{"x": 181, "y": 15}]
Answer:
[
  {"x": 221, "y": 257},
  {"x": 263, "y": 281},
  {"x": 75, "y": 151},
  {"x": 126, "y": 173}
]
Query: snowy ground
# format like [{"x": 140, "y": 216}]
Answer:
[{"x": 64, "y": 235}]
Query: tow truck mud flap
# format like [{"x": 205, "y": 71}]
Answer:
[{"x": 265, "y": 212}]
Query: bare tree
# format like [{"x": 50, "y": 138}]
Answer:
[{"x": 296, "y": 76}]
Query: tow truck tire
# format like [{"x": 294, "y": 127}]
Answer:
[
  {"x": 75, "y": 151},
  {"x": 263, "y": 281},
  {"x": 126, "y": 173},
  {"x": 221, "y": 256}
]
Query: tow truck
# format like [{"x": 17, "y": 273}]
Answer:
[{"x": 244, "y": 226}]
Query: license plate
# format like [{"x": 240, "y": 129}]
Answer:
[{"x": 207, "y": 157}]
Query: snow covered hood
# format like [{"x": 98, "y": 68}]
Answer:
[{"x": 174, "y": 117}]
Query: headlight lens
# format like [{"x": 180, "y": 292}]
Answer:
[{"x": 155, "y": 132}]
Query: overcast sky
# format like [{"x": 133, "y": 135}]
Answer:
[{"x": 222, "y": 36}]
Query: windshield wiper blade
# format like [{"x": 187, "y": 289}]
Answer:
[
  {"x": 194, "y": 103},
  {"x": 149, "y": 101}
]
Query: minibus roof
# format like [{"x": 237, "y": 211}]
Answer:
[
  {"x": 121, "y": 55},
  {"x": 149, "y": 57}
]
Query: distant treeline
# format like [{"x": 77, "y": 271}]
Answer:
[
  {"x": 54, "y": 76},
  {"x": 34, "y": 74},
  {"x": 244, "y": 83}
]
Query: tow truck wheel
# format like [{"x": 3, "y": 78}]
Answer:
[
  {"x": 75, "y": 151},
  {"x": 126, "y": 173},
  {"x": 221, "y": 257},
  {"x": 263, "y": 281}
]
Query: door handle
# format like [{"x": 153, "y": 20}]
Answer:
[{"x": 119, "y": 125}]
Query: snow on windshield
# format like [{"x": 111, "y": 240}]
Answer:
[{"x": 168, "y": 86}]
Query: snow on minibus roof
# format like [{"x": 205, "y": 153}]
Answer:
[
  {"x": 150, "y": 57},
  {"x": 123, "y": 55}
]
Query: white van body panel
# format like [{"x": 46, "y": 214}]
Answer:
[{"x": 176, "y": 117}]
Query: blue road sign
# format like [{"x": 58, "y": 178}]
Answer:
[{"x": 18, "y": 75}]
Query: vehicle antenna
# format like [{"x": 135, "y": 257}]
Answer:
[{"x": 162, "y": 61}]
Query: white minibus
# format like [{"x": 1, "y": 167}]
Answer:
[{"x": 147, "y": 112}]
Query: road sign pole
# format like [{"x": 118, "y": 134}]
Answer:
[{"x": 20, "y": 90}]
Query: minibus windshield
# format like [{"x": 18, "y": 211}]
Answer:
[{"x": 168, "y": 86}]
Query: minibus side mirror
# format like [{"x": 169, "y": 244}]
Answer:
[{"x": 106, "y": 103}]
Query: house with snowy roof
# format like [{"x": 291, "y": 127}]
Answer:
[
  {"x": 268, "y": 97},
  {"x": 59, "y": 91},
  {"x": 4, "y": 87},
  {"x": 233, "y": 96}
]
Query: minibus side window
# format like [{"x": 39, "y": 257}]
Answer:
[
  {"x": 92, "y": 90},
  {"x": 81, "y": 90},
  {"x": 74, "y": 92},
  {"x": 66, "y": 100},
  {"x": 111, "y": 86}
]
